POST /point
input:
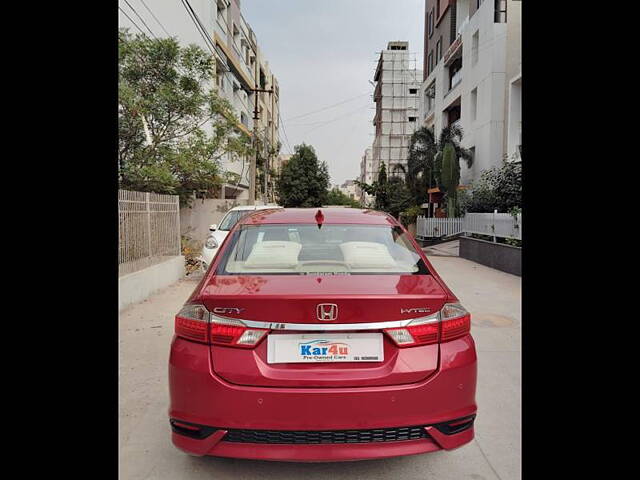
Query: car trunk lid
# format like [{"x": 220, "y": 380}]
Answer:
[{"x": 359, "y": 301}]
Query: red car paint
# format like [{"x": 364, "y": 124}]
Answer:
[{"x": 220, "y": 388}]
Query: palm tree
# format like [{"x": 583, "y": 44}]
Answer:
[
  {"x": 421, "y": 173},
  {"x": 450, "y": 177},
  {"x": 453, "y": 134},
  {"x": 424, "y": 165}
]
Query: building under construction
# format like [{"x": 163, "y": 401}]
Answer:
[{"x": 397, "y": 103}]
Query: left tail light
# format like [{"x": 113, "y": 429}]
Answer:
[{"x": 194, "y": 322}]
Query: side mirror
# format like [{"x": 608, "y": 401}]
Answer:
[{"x": 213, "y": 227}]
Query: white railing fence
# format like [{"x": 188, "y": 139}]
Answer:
[
  {"x": 438, "y": 227},
  {"x": 503, "y": 225},
  {"x": 148, "y": 229}
]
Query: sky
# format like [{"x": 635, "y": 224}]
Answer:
[{"x": 323, "y": 52}]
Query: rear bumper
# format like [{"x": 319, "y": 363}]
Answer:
[
  {"x": 314, "y": 453},
  {"x": 198, "y": 396}
]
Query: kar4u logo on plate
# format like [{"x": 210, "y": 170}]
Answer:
[{"x": 323, "y": 347}]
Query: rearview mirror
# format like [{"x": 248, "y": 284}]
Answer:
[{"x": 213, "y": 227}]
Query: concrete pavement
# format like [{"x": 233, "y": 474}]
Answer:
[
  {"x": 493, "y": 297},
  {"x": 447, "y": 249}
]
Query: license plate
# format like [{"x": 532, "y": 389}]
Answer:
[{"x": 325, "y": 348}]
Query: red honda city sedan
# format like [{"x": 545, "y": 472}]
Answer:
[{"x": 321, "y": 335}]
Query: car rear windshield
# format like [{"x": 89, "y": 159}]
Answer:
[{"x": 326, "y": 250}]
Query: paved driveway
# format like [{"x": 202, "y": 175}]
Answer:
[{"x": 493, "y": 297}]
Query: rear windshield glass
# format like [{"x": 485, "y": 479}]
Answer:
[
  {"x": 329, "y": 250},
  {"x": 231, "y": 218}
]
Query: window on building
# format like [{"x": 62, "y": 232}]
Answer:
[
  {"x": 454, "y": 25},
  {"x": 413, "y": 91},
  {"x": 455, "y": 73},
  {"x": 430, "y": 62},
  {"x": 474, "y": 104},
  {"x": 475, "y": 44},
  {"x": 500, "y": 11},
  {"x": 438, "y": 50},
  {"x": 413, "y": 119},
  {"x": 236, "y": 34},
  {"x": 263, "y": 80},
  {"x": 222, "y": 10},
  {"x": 430, "y": 97},
  {"x": 220, "y": 80},
  {"x": 430, "y": 23},
  {"x": 453, "y": 114}
]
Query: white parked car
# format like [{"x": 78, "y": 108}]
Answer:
[{"x": 217, "y": 233}]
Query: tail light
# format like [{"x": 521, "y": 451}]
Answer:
[
  {"x": 452, "y": 322},
  {"x": 455, "y": 322},
  {"x": 194, "y": 322}
]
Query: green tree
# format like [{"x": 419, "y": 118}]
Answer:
[
  {"x": 425, "y": 159},
  {"x": 391, "y": 194},
  {"x": 499, "y": 188},
  {"x": 381, "y": 190},
  {"x": 399, "y": 196},
  {"x": 173, "y": 128},
  {"x": 421, "y": 172},
  {"x": 304, "y": 180},
  {"x": 337, "y": 197},
  {"x": 450, "y": 177},
  {"x": 453, "y": 134}
]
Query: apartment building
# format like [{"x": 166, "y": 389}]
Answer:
[
  {"x": 350, "y": 189},
  {"x": 472, "y": 77},
  {"x": 396, "y": 96},
  {"x": 240, "y": 68}
]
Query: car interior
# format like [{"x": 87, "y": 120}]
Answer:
[{"x": 306, "y": 249}]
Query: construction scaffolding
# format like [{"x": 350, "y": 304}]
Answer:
[{"x": 396, "y": 96}]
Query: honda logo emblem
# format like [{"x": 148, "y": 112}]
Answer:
[{"x": 327, "y": 311}]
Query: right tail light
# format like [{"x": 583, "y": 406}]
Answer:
[{"x": 451, "y": 322}]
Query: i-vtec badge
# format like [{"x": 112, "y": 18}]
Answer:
[
  {"x": 227, "y": 310},
  {"x": 415, "y": 310}
]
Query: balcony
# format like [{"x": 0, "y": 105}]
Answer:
[
  {"x": 452, "y": 52},
  {"x": 455, "y": 81}
]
